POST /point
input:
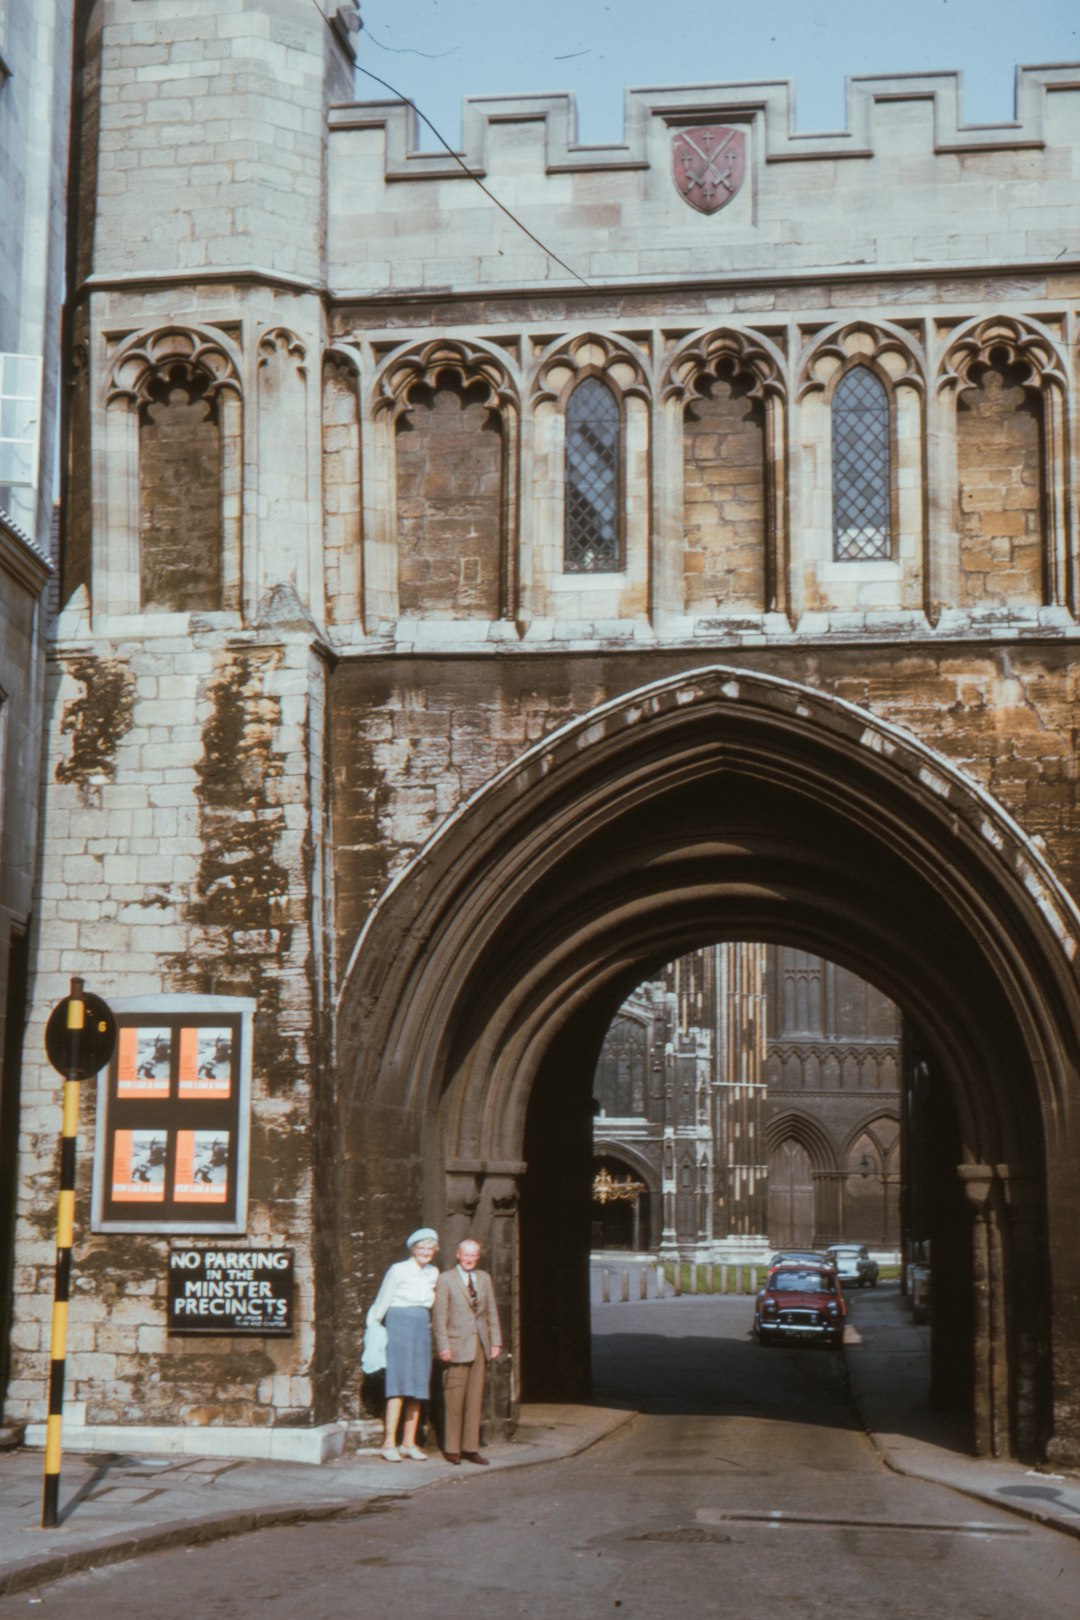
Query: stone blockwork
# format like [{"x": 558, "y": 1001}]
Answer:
[
  {"x": 413, "y": 739},
  {"x": 724, "y": 496},
  {"x": 906, "y": 185},
  {"x": 180, "y": 500},
  {"x": 206, "y": 136},
  {"x": 256, "y": 755},
  {"x": 999, "y": 454},
  {"x": 185, "y": 786},
  {"x": 450, "y": 484}
]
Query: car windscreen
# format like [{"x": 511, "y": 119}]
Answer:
[{"x": 802, "y": 1282}]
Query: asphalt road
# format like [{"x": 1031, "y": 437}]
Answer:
[{"x": 745, "y": 1487}]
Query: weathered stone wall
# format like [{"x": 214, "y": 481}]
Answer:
[
  {"x": 180, "y": 499},
  {"x": 724, "y": 493},
  {"x": 233, "y": 781},
  {"x": 1000, "y": 480},
  {"x": 413, "y": 738},
  {"x": 449, "y": 502},
  {"x": 185, "y": 783}
]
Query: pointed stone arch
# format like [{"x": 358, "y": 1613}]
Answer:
[
  {"x": 797, "y": 1128},
  {"x": 750, "y": 361},
  {"x": 871, "y": 1180},
  {"x": 718, "y": 804},
  {"x": 645, "y": 1221},
  {"x": 407, "y": 382},
  {"x": 865, "y": 1125},
  {"x": 808, "y": 1132},
  {"x": 1031, "y": 353},
  {"x": 1026, "y": 343},
  {"x": 889, "y": 349},
  {"x": 553, "y": 567},
  {"x": 147, "y": 368},
  {"x": 157, "y": 349},
  {"x": 420, "y": 364},
  {"x": 567, "y": 360},
  {"x": 897, "y": 362}
]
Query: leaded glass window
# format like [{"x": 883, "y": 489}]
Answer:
[
  {"x": 861, "y": 468},
  {"x": 593, "y": 431}
]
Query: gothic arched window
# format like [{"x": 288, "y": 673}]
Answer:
[
  {"x": 620, "y": 1073},
  {"x": 180, "y": 487},
  {"x": 593, "y": 542},
  {"x": 861, "y": 471}
]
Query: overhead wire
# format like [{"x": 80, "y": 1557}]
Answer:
[{"x": 475, "y": 178}]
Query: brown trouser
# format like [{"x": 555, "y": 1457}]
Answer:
[{"x": 463, "y": 1399}]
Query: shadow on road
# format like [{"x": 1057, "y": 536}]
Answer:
[{"x": 695, "y": 1356}]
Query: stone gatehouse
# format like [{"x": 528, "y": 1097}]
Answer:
[{"x": 454, "y": 630}]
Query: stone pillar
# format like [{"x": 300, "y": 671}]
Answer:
[
  {"x": 669, "y": 1247},
  {"x": 990, "y": 1408},
  {"x": 1028, "y": 1300},
  {"x": 501, "y": 1196}
]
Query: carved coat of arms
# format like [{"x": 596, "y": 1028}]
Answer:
[{"x": 709, "y": 163}]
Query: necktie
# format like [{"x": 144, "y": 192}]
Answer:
[{"x": 473, "y": 1300}]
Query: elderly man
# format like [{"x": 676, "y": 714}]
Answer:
[{"x": 465, "y": 1326}]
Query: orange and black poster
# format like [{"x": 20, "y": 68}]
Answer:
[
  {"x": 202, "y": 1167},
  {"x": 139, "y": 1167},
  {"x": 143, "y": 1061},
  {"x": 172, "y": 1151},
  {"x": 205, "y": 1061}
]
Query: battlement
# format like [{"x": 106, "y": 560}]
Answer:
[
  {"x": 907, "y": 182},
  {"x": 772, "y": 101}
]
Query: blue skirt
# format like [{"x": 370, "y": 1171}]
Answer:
[{"x": 408, "y": 1352}]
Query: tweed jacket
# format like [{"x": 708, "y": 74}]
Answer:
[{"x": 456, "y": 1326}]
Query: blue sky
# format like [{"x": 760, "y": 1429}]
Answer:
[{"x": 438, "y": 51}]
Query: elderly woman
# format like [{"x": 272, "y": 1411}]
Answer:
[{"x": 403, "y": 1305}]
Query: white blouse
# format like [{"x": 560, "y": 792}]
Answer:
[{"x": 405, "y": 1283}]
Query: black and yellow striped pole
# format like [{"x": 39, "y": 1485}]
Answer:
[{"x": 79, "y": 1039}]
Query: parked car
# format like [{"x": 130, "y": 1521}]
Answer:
[
  {"x": 800, "y": 1302},
  {"x": 853, "y": 1263},
  {"x": 810, "y": 1257}
]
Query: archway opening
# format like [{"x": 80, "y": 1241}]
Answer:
[
  {"x": 761, "y": 1098},
  {"x": 717, "y": 806}
]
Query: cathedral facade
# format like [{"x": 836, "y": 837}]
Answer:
[
  {"x": 748, "y": 1100},
  {"x": 459, "y": 621}
]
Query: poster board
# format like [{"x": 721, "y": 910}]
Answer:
[{"x": 171, "y": 1145}]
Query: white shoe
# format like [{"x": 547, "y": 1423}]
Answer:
[
  {"x": 415, "y": 1453},
  {"x": 392, "y": 1454}
]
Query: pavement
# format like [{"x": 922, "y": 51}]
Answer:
[
  {"x": 888, "y": 1358},
  {"x": 116, "y": 1507}
]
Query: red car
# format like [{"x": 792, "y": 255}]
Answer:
[{"x": 801, "y": 1302}]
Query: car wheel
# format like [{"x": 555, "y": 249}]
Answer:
[{"x": 837, "y": 1341}]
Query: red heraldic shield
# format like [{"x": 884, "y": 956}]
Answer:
[{"x": 709, "y": 163}]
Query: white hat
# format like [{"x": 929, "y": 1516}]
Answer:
[{"x": 423, "y": 1234}]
